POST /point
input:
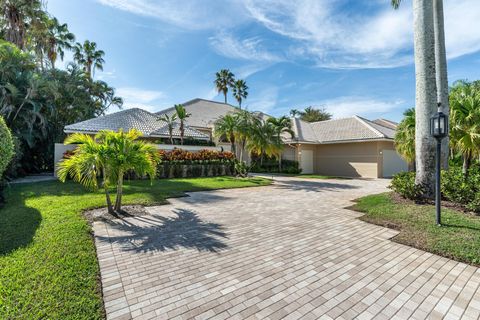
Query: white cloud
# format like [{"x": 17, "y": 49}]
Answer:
[
  {"x": 251, "y": 49},
  {"x": 188, "y": 14},
  {"x": 140, "y": 98},
  {"x": 264, "y": 101},
  {"x": 353, "y": 105}
]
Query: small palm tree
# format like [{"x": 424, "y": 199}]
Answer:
[
  {"x": 224, "y": 80},
  {"x": 405, "y": 136},
  {"x": 240, "y": 91},
  {"x": 170, "y": 120},
  {"x": 110, "y": 154},
  {"x": 280, "y": 125},
  {"x": 89, "y": 57},
  {"x": 295, "y": 113},
  {"x": 227, "y": 127},
  {"x": 182, "y": 115},
  {"x": 246, "y": 121},
  {"x": 263, "y": 140}
]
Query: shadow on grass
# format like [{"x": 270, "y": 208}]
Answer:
[
  {"x": 313, "y": 186},
  {"x": 17, "y": 226},
  {"x": 185, "y": 230}
]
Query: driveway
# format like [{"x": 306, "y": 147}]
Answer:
[{"x": 286, "y": 251}]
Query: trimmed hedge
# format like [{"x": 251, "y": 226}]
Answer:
[
  {"x": 6, "y": 146},
  {"x": 271, "y": 166}
]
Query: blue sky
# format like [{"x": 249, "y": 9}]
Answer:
[{"x": 351, "y": 57}]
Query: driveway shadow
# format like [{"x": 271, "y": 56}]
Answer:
[
  {"x": 185, "y": 230},
  {"x": 313, "y": 186}
]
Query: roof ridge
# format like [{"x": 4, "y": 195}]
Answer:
[{"x": 365, "y": 122}]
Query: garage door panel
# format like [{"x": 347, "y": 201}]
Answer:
[
  {"x": 392, "y": 163},
  {"x": 364, "y": 166}
]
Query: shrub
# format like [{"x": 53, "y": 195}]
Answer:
[
  {"x": 271, "y": 166},
  {"x": 186, "y": 141},
  {"x": 201, "y": 156},
  {"x": 241, "y": 169},
  {"x": 404, "y": 184},
  {"x": 6, "y": 146},
  {"x": 463, "y": 191}
]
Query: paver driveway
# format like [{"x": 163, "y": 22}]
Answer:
[{"x": 285, "y": 251}]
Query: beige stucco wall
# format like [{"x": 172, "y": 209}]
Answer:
[{"x": 289, "y": 153}]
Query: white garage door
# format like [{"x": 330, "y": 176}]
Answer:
[
  {"x": 392, "y": 163},
  {"x": 307, "y": 161}
]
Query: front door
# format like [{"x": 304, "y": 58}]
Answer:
[{"x": 307, "y": 161}]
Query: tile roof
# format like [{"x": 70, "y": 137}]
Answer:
[
  {"x": 203, "y": 113},
  {"x": 386, "y": 123},
  {"x": 134, "y": 118},
  {"x": 340, "y": 130}
]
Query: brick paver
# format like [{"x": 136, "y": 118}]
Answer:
[{"x": 287, "y": 251}]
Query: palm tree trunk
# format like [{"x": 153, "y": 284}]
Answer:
[
  {"x": 280, "y": 163},
  {"x": 107, "y": 193},
  {"x": 225, "y": 96},
  {"x": 441, "y": 70},
  {"x": 466, "y": 164},
  {"x": 181, "y": 132},
  {"x": 425, "y": 95},
  {"x": 118, "y": 200}
]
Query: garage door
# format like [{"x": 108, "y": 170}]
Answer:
[
  {"x": 392, "y": 163},
  {"x": 307, "y": 161}
]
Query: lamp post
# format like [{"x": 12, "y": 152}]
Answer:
[{"x": 439, "y": 130}]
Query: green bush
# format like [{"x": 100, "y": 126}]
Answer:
[
  {"x": 241, "y": 168},
  {"x": 271, "y": 166},
  {"x": 404, "y": 184},
  {"x": 6, "y": 146}
]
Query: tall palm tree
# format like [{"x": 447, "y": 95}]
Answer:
[
  {"x": 405, "y": 136},
  {"x": 17, "y": 16},
  {"x": 280, "y": 126},
  {"x": 246, "y": 121},
  {"x": 224, "y": 79},
  {"x": 295, "y": 113},
  {"x": 465, "y": 121},
  {"x": 182, "y": 115},
  {"x": 58, "y": 39},
  {"x": 426, "y": 90},
  {"x": 226, "y": 127},
  {"x": 110, "y": 154},
  {"x": 89, "y": 57},
  {"x": 240, "y": 91},
  {"x": 170, "y": 121}
]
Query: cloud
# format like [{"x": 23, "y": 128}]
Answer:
[
  {"x": 140, "y": 98},
  {"x": 352, "y": 105},
  {"x": 187, "y": 14},
  {"x": 265, "y": 101},
  {"x": 250, "y": 49}
]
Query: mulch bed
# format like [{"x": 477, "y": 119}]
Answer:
[{"x": 102, "y": 214}]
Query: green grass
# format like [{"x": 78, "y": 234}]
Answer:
[
  {"x": 458, "y": 238},
  {"x": 48, "y": 264}
]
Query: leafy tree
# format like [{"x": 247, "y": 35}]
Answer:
[
  {"x": 465, "y": 120},
  {"x": 405, "y": 136},
  {"x": 6, "y": 146},
  {"x": 182, "y": 115},
  {"x": 294, "y": 113},
  {"x": 245, "y": 121},
  {"x": 282, "y": 125},
  {"x": 170, "y": 121},
  {"x": 311, "y": 114},
  {"x": 112, "y": 155},
  {"x": 224, "y": 80},
  {"x": 227, "y": 127},
  {"x": 240, "y": 91},
  {"x": 89, "y": 57},
  {"x": 263, "y": 140}
]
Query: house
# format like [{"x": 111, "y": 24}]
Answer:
[{"x": 353, "y": 147}]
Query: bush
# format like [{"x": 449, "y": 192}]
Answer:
[
  {"x": 186, "y": 141},
  {"x": 201, "y": 156},
  {"x": 271, "y": 166},
  {"x": 6, "y": 146},
  {"x": 404, "y": 184},
  {"x": 241, "y": 169}
]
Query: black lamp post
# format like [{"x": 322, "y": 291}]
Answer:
[{"x": 439, "y": 130}]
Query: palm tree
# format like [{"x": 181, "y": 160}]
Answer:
[
  {"x": 245, "y": 121},
  {"x": 58, "y": 39},
  {"x": 405, "y": 136},
  {"x": 465, "y": 121},
  {"x": 226, "y": 127},
  {"x": 111, "y": 154},
  {"x": 170, "y": 120},
  {"x": 224, "y": 80},
  {"x": 89, "y": 57},
  {"x": 441, "y": 74},
  {"x": 295, "y": 113},
  {"x": 18, "y": 15},
  {"x": 182, "y": 115},
  {"x": 313, "y": 115},
  {"x": 263, "y": 140},
  {"x": 240, "y": 91},
  {"x": 281, "y": 125}
]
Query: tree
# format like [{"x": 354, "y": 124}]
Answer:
[
  {"x": 89, "y": 57},
  {"x": 294, "y": 113},
  {"x": 182, "y": 115},
  {"x": 405, "y": 136},
  {"x": 240, "y": 91},
  {"x": 112, "y": 155},
  {"x": 441, "y": 75},
  {"x": 170, "y": 121},
  {"x": 227, "y": 127},
  {"x": 465, "y": 121},
  {"x": 246, "y": 121},
  {"x": 312, "y": 115},
  {"x": 281, "y": 125},
  {"x": 263, "y": 140},
  {"x": 6, "y": 147},
  {"x": 18, "y": 19},
  {"x": 58, "y": 39},
  {"x": 224, "y": 80}
]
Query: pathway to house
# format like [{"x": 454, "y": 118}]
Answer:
[{"x": 285, "y": 251}]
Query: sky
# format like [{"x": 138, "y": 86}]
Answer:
[{"x": 347, "y": 56}]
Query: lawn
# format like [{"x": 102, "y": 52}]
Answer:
[
  {"x": 48, "y": 265},
  {"x": 458, "y": 238}
]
